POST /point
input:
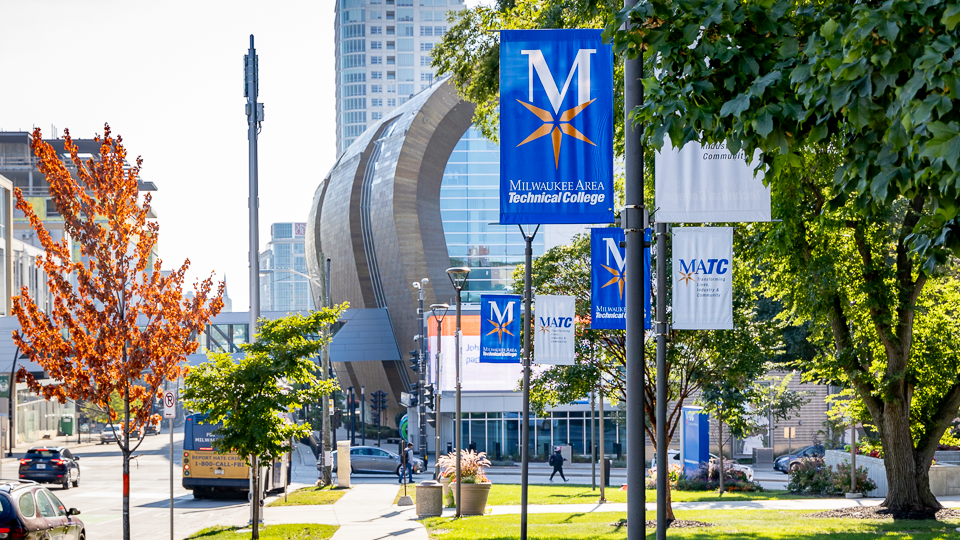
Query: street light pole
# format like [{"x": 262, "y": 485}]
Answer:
[
  {"x": 458, "y": 276},
  {"x": 525, "y": 419},
  {"x": 439, "y": 311}
]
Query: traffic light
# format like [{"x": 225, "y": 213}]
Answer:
[
  {"x": 414, "y": 387},
  {"x": 429, "y": 397},
  {"x": 415, "y": 360},
  {"x": 431, "y": 419},
  {"x": 383, "y": 401}
]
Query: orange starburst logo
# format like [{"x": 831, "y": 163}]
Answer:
[
  {"x": 500, "y": 329},
  {"x": 556, "y": 127},
  {"x": 687, "y": 277},
  {"x": 616, "y": 279}
]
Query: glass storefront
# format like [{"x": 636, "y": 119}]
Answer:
[
  {"x": 498, "y": 434},
  {"x": 469, "y": 203}
]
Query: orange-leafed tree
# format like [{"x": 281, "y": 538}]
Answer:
[{"x": 116, "y": 323}]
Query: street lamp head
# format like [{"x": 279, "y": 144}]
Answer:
[
  {"x": 416, "y": 285},
  {"x": 439, "y": 310},
  {"x": 458, "y": 276}
]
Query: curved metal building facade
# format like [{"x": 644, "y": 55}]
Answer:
[{"x": 376, "y": 217}]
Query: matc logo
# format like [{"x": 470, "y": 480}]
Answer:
[
  {"x": 691, "y": 268},
  {"x": 557, "y": 124},
  {"x": 500, "y": 319},
  {"x": 613, "y": 250}
]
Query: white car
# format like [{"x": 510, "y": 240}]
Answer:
[{"x": 674, "y": 457}]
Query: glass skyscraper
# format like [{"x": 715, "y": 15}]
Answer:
[
  {"x": 383, "y": 57},
  {"x": 283, "y": 284},
  {"x": 469, "y": 204}
]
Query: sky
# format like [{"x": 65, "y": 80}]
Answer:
[{"x": 168, "y": 77}]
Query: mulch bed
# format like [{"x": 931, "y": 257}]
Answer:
[{"x": 879, "y": 512}]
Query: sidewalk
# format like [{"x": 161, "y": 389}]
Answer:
[{"x": 366, "y": 512}]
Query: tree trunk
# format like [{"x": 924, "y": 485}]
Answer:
[
  {"x": 669, "y": 503},
  {"x": 125, "y": 448},
  {"x": 255, "y": 498},
  {"x": 908, "y": 471},
  {"x": 720, "y": 436}
]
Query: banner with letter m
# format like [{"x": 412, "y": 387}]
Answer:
[
  {"x": 500, "y": 328},
  {"x": 607, "y": 280},
  {"x": 556, "y": 127}
]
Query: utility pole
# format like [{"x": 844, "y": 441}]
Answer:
[
  {"x": 326, "y": 442},
  {"x": 632, "y": 219},
  {"x": 254, "y": 117},
  {"x": 421, "y": 372},
  {"x": 527, "y": 334}
]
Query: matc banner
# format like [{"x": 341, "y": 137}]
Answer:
[
  {"x": 607, "y": 280},
  {"x": 708, "y": 184},
  {"x": 556, "y": 127},
  {"x": 703, "y": 278},
  {"x": 556, "y": 336},
  {"x": 500, "y": 328}
]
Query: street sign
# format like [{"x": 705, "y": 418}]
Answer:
[
  {"x": 789, "y": 433},
  {"x": 169, "y": 404}
]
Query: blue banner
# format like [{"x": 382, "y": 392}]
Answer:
[
  {"x": 500, "y": 328},
  {"x": 607, "y": 273},
  {"x": 556, "y": 127}
]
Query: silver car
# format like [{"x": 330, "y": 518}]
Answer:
[{"x": 370, "y": 459}]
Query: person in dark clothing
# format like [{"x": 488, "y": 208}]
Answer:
[
  {"x": 407, "y": 464},
  {"x": 557, "y": 460}
]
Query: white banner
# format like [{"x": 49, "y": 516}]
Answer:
[
  {"x": 708, "y": 184},
  {"x": 703, "y": 278},
  {"x": 555, "y": 330}
]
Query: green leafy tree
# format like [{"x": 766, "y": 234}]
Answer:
[
  {"x": 252, "y": 397},
  {"x": 854, "y": 107},
  {"x": 694, "y": 359}
]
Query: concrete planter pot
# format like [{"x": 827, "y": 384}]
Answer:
[
  {"x": 474, "y": 498},
  {"x": 447, "y": 497}
]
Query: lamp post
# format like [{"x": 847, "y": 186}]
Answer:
[
  {"x": 363, "y": 419},
  {"x": 439, "y": 311},
  {"x": 458, "y": 277},
  {"x": 421, "y": 373}
]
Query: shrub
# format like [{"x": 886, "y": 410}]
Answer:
[
  {"x": 707, "y": 478},
  {"x": 472, "y": 466},
  {"x": 811, "y": 475},
  {"x": 674, "y": 474}
]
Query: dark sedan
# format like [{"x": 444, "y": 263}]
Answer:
[
  {"x": 787, "y": 463},
  {"x": 51, "y": 465}
]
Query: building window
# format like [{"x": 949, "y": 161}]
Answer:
[
  {"x": 374, "y": 15},
  {"x": 353, "y": 104},
  {"x": 391, "y": 75},
  {"x": 353, "y": 60},
  {"x": 426, "y": 31},
  {"x": 406, "y": 89},
  {"x": 405, "y": 59},
  {"x": 426, "y": 46},
  {"x": 376, "y": 115},
  {"x": 376, "y": 102},
  {"x": 424, "y": 86},
  {"x": 405, "y": 30},
  {"x": 391, "y": 60},
  {"x": 356, "y": 117},
  {"x": 439, "y": 30},
  {"x": 390, "y": 16},
  {"x": 391, "y": 45},
  {"x": 376, "y": 45},
  {"x": 405, "y": 45},
  {"x": 390, "y": 31},
  {"x": 376, "y": 88},
  {"x": 353, "y": 46},
  {"x": 376, "y": 74},
  {"x": 391, "y": 89},
  {"x": 375, "y": 2},
  {"x": 425, "y": 60},
  {"x": 392, "y": 102},
  {"x": 428, "y": 77},
  {"x": 352, "y": 31},
  {"x": 354, "y": 77},
  {"x": 354, "y": 90},
  {"x": 374, "y": 60},
  {"x": 376, "y": 30},
  {"x": 281, "y": 231},
  {"x": 405, "y": 15},
  {"x": 406, "y": 74}
]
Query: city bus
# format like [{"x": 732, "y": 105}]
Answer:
[{"x": 209, "y": 473}]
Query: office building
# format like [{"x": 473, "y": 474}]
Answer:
[
  {"x": 283, "y": 279},
  {"x": 382, "y": 50}
]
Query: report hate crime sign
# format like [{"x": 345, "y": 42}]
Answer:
[{"x": 556, "y": 120}]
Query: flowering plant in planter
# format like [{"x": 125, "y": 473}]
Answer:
[{"x": 472, "y": 466}]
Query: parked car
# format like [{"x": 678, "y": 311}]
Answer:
[
  {"x": 787, "y": 463},
  {"x": 51, "y": 465},
  {"x": 674, "y": 457},
  {"x": 152, "y": 428},
  {"x": 112, "y": 432},
  {"x": 28, "y": 511},
  {"x": 370, "y": 459}
]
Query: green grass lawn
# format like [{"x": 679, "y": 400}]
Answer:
[
  {"x": 311, "y": 495},
  {"x": 728, "y": 525},
  {"x": 298, "y": 531},
  {"x": 503, "y": 494}
]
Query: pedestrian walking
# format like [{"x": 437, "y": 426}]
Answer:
[
  {"x": 407, "y": 464},
  {"x": 557, "y": 460}
]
